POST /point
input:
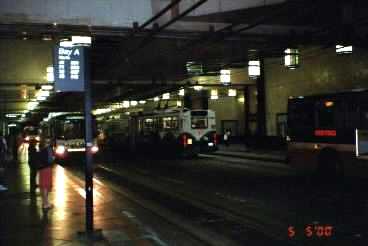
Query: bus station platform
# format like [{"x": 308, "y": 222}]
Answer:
[
  {"x": 241, "y": 151},
  {"x": 24, "y": 222}
]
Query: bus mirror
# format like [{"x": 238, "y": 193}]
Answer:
[{"x": 361, "y": 143}]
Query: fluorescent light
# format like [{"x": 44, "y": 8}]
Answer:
[
  {"x": 225, "y": 77},
  {"x": 47, "y": 87},
  {"x": 254, "y": 69},
  {"x": 84, "y": 40},
  {"x": 232, "y": 92},
  {"x": 166, "y": 96}
]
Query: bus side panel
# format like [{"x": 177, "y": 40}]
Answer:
[{"x": 302, "y": 156}]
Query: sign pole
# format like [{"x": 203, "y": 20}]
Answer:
[{"x": 89, "y": 144}]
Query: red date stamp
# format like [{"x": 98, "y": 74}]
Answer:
[{"x": 319, "y": 231}]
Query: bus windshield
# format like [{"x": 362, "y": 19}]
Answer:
[
  {"x": 73, "y": 129},
  {"x": 199, "y": 122}
]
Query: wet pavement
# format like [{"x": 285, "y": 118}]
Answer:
[{"x": 24, "y": 222}]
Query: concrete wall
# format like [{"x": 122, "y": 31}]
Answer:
[
  {"x": 228, "y": 108},
  {"x": 24, "y": 61},
  {"x": 321, "y": 71}
]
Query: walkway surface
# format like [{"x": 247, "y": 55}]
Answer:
[
  {"x": 24, "y": 222},
  {"x": 241, "y": 151}
]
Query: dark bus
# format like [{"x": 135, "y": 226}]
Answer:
[{"x": 323, "y": 132}]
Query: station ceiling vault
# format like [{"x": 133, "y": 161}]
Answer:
[{"x": 150, "y": 56}]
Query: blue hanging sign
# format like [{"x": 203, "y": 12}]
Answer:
[{"x": 69, "y": 68}]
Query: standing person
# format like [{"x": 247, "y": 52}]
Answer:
[
  {"x": 45, "y": 172},
  {"x": 17, "y": 143},
  {"x": 3, "y": 151},
  {"x": 227, "y": 137},
  {"x": 32, "y": 163}
]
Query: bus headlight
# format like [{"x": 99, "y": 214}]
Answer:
[
  {"x": 60, "y": 150},
  {"x": 94, "y": 149}
]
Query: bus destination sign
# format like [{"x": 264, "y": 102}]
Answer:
[{"x": 69, "y": 68}]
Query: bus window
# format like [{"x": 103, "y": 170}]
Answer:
[
  {"x": 148, "y": 124},
  {"x": 300, "y": 118},
  {"x": 170, "y": 122},
  {"x": 326, "y": 115}
]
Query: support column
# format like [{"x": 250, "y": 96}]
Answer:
[
  {"x": 261, "y": 102},
  {"x": 246, "y": 111}
]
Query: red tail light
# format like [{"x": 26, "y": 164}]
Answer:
[
  {"x": 184, "y": 138},
  {"x": 325, "y": 133},
  {"x": 215, "y": 138}
]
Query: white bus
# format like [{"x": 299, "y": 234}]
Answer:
[
  {"x": 66, "y": 131},
  {"x": 180, "y": 131}
]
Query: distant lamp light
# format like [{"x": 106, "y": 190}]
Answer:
[
  {"x": 225, "y": 76},
  {"x": 156, "y": 99},
  {"x": 82, "y": 40},
  {"x": 197, "y": 87},
  {"x": 41, "y": 98},
  {"x": 291, "y": 58},
  {"x": 50, "y": 74},
  {"x": 126, "y": 104},
  {"x": 181, "y": 92},
  {"x": 232, "y": 92},
  {"x": 32, "y": 105},
  {"x": 329, "y": 104},
  {"x": 166, "y": 96},
  {"x": 241, "y": 99},
  {"x": 142, "y": 102},
  {"x": 342, "y": 49},
  {"x": 46, "y": 37},
  {"x": 254, "y": 69},
  {"x": 214, "y": 94},
  {"x": 133, "y": 103}
]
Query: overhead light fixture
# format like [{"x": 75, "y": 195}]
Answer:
[
  {"x": 197, "y": 87},
  {"x": 50, "y": 74},
  {"x": 254, "y": 69},
  {"x": 82, "y": 40},
  {"x": 32, "y": 105},
  {"x": 214, "y": 94},
  {"x": 194, "y": 68},
  {"x": 126, "y": 104},
  {"x": 342, "y": 49},
  {"x": 166, "y": 96},
  {"x": 225, "y": 76},
  {"x": 232, "y": 92},
  {"x": 291, "y": 58},
  {"x": 47, "y": 87},
  {"x": 46, "y": 37}
]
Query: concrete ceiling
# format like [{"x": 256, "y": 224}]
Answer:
[{"x": 122, "y": 55}]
